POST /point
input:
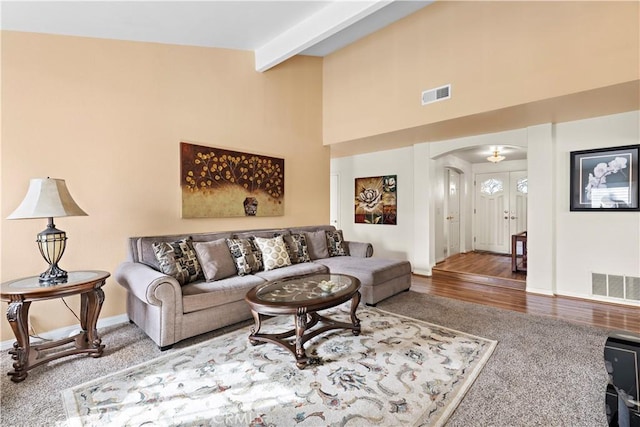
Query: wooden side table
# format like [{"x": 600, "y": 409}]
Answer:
[
  {"x": 515, "y": 238},
  {"x": 20, "y": 293}
]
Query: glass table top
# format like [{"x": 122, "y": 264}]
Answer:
[
  {"x": 33, "y": 282},
  {"x": 307, "y": 288}
]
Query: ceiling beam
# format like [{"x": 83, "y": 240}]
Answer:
[{"x": 328, "y": 21}]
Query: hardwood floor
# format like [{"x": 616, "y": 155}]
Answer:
[
  {"x": 482, "y": 267},
  {"x": 447, "y": 282}
]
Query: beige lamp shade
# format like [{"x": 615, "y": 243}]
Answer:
[{"x": 47, "y": 198}]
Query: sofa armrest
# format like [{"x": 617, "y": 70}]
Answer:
[
  {"x": 149, "y": 285},
  {"x": 360, "y": 249}
]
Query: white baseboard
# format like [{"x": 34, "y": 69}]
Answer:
[
  {"x": 421, "y": 272},
  {"x": 540, "y": 291},
  {"x": 601, "y": 299},
  {"x": 57, "y": 334}
]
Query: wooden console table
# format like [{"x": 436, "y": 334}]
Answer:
[
  {"x": 22, "y": 292},
  {"x": 520, "y": 237}
]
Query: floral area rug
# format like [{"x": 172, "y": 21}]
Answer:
[{"x": 398, "y": 372}]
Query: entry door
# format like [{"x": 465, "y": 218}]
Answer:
[
  {"x": 501, "y": 209},
  {"x": 492, "y": 225},
  {"x": 452, "y": 218}
]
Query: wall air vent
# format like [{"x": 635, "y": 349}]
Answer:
[
  {"x": 438, "y": 94},
  {"x": 616, "y": 286}
]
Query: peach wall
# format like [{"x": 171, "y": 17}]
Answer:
[
  {"x": 108, "y": 116},
  {"x": 495, "y": 55}
]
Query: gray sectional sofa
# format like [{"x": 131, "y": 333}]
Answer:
[{"x": 171, "y": 306}]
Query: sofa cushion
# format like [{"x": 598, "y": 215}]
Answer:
[
  {"x": 335, "y": 243},
  {"x": 215, "y": 259},
  {"x": 293, "y": 270},
  {"x": 246, "y": 255},
  {"x": 297, "y": 247},
  {"x": 317, "y": 244},
  {"x": 274, "y": 252},
  {"x": 203, "y": 295},
  {"x": 370, "y": 271},
  {"x": 178, "y": 259}
]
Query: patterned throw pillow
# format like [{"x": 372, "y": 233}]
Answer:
[
  {"x": 178, "y": 260},
  {"x": 246, "y": 255},
  {"x": 274, "y": 252},
  {"x": 335, "y": 243},
  {"x": 297, "y": 248}
]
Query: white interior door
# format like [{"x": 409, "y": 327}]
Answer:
[
  {"x": 334, "y": 201},
  {"x": 452, "y": 214},
  {"x": 492, "y": 226}
]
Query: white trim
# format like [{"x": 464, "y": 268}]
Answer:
[
  {"x": 66, "y": 331},
  {"x": 422, "y": 272},
  {"x": 540, "y": 291},
  {"x": 601, "y": 299},
  {"x": 325, "y": 23}
]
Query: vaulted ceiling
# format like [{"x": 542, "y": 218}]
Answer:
[{"x": 274, "y": 30}]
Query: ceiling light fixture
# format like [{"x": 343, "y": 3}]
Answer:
[{"x": 496, "y": 157}]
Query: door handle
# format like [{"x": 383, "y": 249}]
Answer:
[
  {"x": 514, "y": 217},
  {"x": 506, "y": 217}
]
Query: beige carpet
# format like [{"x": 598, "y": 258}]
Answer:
[{"x": 544, "y": 372}]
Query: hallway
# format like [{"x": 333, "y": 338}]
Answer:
[{"x": 481, "y": 267}]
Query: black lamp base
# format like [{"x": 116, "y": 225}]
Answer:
[
  {"x": 53, "y": 276},
  {"x": 52, "y": 243}
]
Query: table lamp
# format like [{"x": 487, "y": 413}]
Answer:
[{"x": 49, "y": 198}]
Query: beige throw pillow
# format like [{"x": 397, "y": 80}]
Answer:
[
  {"x": 215, "y": 259},
  {"x": 317, "y": 244},
  {"x": 274, "y": 252}
]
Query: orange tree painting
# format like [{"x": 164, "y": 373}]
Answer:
[
  {"x": 375, "y": 200},
  {"x": 225, "y": 183}
]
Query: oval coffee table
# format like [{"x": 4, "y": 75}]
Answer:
[{"x": 302, "y": 297}]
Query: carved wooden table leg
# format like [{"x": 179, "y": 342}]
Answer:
[
  {"x": 90, "y": 306},
  {"x": 256, "y": 328},
  {"x": 18, "y": 317},
  {"x": 354, "y": 319},
  {"x": 301, "y": 326}
]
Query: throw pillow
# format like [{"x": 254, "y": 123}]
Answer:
[
  {"x": 335, "y": 243},
  {"x": 215, "y": 259},
  {"x": 246, "y": 255},
  {"x": 178, "y": 260},
  {"x": 297, "y": 247},
  {"x": 274, "y": 252},
  {"x": 317, "y": 241}
]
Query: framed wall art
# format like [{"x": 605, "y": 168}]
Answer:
[
  {"x": 376, "y": 200},
  {"x": 217, "y": 182},
  {"x": 605, "y": 179}
]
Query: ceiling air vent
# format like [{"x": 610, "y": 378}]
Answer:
[{"x": 438, "y": 94}]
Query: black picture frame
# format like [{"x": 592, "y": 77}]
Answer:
[{"x": 605, "y": 179}]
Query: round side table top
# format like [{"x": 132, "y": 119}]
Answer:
[{"x": 31, "y": 288}]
